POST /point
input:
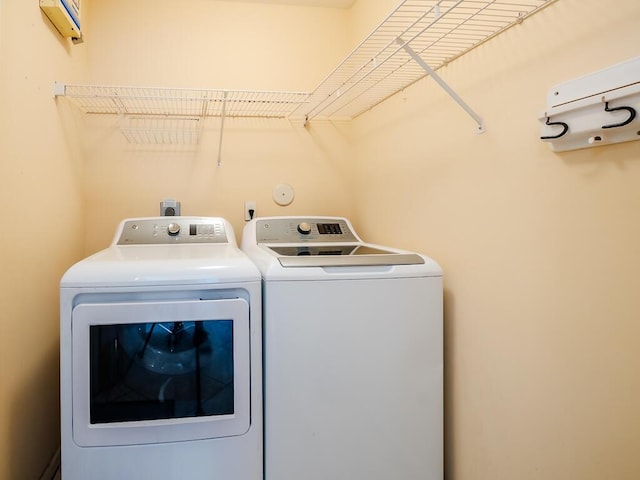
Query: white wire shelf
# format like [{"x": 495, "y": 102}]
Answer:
[
  {"x": 415, "y": 40},
  {"x": 174, "y": 116},
  {"x": 437, "y": 31},
  {"x": 180, "y": 102}
]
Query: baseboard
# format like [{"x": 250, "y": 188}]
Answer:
[{"x": 53, "y": 467}]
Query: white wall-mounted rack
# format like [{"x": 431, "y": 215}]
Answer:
[
  {"x": 415, "y": 40},
  {"x": 597, "y": 109}
]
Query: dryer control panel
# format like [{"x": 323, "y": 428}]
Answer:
[
  {"x": 171, "y": 230},
  {"x": 304, "y": 229}
]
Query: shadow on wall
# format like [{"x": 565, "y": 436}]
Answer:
[
  {"x": 448, "y": 333},
  {"x": 35, "y": 419}
]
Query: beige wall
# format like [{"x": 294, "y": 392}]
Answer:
[
  {"x": 42, "y": 234},
  {"x": 540, "y": 250}
]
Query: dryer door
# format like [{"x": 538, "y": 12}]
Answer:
[{"x": 152, "y": 372}]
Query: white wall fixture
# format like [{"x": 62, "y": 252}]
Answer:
[
  {"x": 283, "y": 194},
  {"x": 600, "y": 108},
  {"x": 65, "y": 16},
  {"x": 249, "y": 210},
  {"x": 169, "y": 207}
]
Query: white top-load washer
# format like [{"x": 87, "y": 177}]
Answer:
[
  {"x": 353, "y": 353},
  {"x": 161, "y": 356}
]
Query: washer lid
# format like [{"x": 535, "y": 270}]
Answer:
[{"x": 341, "y": 255}]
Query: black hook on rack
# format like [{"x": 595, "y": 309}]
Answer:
[
  {"x": 565, "y": 129},
  {"x": 632, "y": 115}
]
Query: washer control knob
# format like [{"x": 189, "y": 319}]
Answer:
[
  {"x": 173, "y": 229},
  {"x": 304, "y": 228}
]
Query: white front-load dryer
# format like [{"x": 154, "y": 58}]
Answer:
[
  {"x": 160, "y": 351},
  {"x": 353, "y": 346}
]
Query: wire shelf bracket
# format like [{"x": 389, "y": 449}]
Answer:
[{"x": 438, "y": 79}]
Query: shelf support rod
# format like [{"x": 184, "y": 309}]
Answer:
[
  {"x": 222, "y": 117},
  {"x": 431, "y": 72}
]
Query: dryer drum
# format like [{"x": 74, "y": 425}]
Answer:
[
  {"x": 162, "y": 370},
  {"x": 169, "y": 348}
]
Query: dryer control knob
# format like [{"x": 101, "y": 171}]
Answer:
[
  {"x": 304, "y": 228},
  {"x": 173, "y": 229}
]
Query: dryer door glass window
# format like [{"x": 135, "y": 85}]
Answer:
[
  {"x": 152, "y": 371},
  {"x": 149, "y": 372}
]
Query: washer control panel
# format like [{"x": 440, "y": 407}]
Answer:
[
  {"x": 171, "y": 230},
  {"x": 304, "y": 229}
]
